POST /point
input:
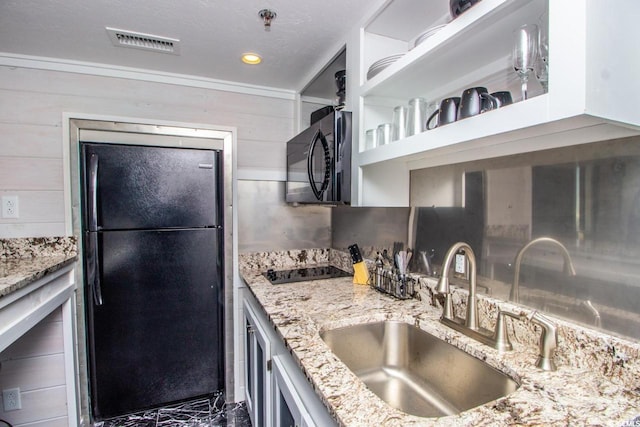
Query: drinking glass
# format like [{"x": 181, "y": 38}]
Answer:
[
  {"x": 525, "y": 53},
  {"x": 384, "y": 134},
  {"x": 371, "y": 139}
]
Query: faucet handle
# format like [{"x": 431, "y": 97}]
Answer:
[
  {"x": 548, "y": 341},
  {"x": 500, "y": 334}
]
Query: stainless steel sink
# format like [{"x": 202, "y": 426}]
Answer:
[{"x": 415, "y": 372}]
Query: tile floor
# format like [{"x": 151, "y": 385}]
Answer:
[{"x": 198, "y": 413}]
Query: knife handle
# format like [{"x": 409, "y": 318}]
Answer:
[{"x": 356, "y": 256}]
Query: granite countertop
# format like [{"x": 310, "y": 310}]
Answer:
[
  {"x": 597, "y": 381},
  {"x": 22, "y": 261}
]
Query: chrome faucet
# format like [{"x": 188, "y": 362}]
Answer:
[
  {"x": 569, "y": 270},
  {"x": 469, "y": 326},
  {"x": 471, "y": 320},
  {"x": 548, "y": 341}
]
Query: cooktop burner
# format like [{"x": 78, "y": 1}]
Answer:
[{"x": 303, "y": 274}]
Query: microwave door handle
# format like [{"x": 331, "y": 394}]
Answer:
[
  {"x": 339, "y": 133},
  {"x": 327, "y": 164},
  {"x": 312, "y": 182}
]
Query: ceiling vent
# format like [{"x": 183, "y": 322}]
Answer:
[{"x": 123, "y": 38}]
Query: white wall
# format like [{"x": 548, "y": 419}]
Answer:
[
  {"x": 32, "y": 102},
  {"x": 35, "y": 364}
]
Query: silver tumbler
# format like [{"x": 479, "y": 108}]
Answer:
[
  {"x": 417, "y": 116},
  {"x": 399, "y": 122}
]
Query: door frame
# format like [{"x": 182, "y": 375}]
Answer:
[{"x": 128, "y": 130}]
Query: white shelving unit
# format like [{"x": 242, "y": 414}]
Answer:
[{"x": 593, "y": 84}]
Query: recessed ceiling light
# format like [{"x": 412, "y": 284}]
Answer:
[{"x": 251, "y": 58}]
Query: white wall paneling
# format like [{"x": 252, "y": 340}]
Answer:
[
  {"x": 30, "y": 173},
  {"x": 43, "y": 406},
  {"x": 258, "y": 120},
  {"x": 45, "y": 371},
  {"x": 106, "y": 70},
  {"x": 36, "y": 355},
  {"x": 32, "y": 103},
  {"x": 263, "y": 155},
  {"x": 27, "y": 140},
  {"x": 40, "y": 210},
  {"x": 43, "y": 339}
]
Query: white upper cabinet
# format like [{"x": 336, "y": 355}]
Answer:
[{"x": 592, "y": 90}]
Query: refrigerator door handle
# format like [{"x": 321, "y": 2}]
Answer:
[
  {"x": 93, "y": 267},
  {"x": 93, "y": 192}
]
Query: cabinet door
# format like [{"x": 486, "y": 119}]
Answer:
[
  {"x": 288, "y": 409},
  {"x": 257, "y": 369}
]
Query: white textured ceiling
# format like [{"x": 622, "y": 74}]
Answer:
[{"x": 212, "y": 33}]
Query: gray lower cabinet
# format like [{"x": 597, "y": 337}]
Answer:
[
  {"x": 288, "y": 408},
  {"x": 257, "y": 367},
  {"x": 277, "y": 393}
]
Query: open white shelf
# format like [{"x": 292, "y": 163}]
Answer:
[
  {"x": 473, "y": 46},
  {"x": 590, "y": 98}
]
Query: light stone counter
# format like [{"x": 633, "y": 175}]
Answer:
[
  {"x": 23, "y": 261},
  {"x": 597, "y": 381}
]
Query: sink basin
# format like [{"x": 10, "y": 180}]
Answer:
[{"x": 414, "y": 371}]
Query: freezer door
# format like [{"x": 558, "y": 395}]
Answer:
[
  {"x": 137, "y": 187},
  {"x": 157, "y": 337}
]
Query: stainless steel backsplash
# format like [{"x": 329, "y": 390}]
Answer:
[
  {"x": 372, "y": 229},
  {"x": 587, "y": 197},
  {"x": 267, "y": 223}
]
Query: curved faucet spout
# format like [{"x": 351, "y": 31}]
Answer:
[
  {"x": 471, "y": 320},
  {"x": 568, "y": 268}
]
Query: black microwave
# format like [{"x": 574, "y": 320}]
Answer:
[{"x": 319, "y": 162}]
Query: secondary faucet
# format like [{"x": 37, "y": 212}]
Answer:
[
  {"x": 548, "y": 341},
  {"x": 568, "y": 269}
]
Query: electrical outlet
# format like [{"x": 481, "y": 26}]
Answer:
[
  {"x": 10, "y": 207},
  {"x": 11, "y": 399},
  {"x": 460, "y": 264}
]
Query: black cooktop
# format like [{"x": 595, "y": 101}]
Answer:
[{"x": 303, "y": 274}]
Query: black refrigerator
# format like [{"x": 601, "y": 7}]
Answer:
[{"x": 153, "y": 263}]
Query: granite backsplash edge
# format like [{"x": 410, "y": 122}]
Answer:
[{"x": 32, "y": 247}]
